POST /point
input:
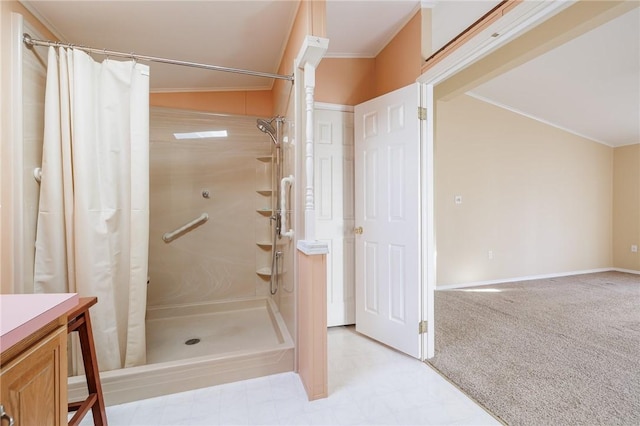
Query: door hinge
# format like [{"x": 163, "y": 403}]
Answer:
[
  {"x": 422, "y": 327},
  {"x": 422, "y": 113}
]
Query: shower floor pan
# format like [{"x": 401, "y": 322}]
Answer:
[{"x": 238, "y": 340}]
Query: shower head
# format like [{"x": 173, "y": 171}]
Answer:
[{"x": 266, "y": 127}]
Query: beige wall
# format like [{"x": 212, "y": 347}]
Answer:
[
  {"x": 537, "y": 197},
  {"x": 626, "y": 206},
  {"x": 34, "y": 72},
  {"x": 254, "y": 103},
  {"x": 6, "y": 285},
  {"x": 8, "y": 169}
]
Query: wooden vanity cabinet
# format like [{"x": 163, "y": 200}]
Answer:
[{"x": 33, "y": 377}]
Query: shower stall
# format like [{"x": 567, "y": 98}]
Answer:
[
  {"x": 220, "y": 288},
  {"x": 217, "y": 256}
]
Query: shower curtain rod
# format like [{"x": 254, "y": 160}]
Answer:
[{"x": 29, "y": 41}]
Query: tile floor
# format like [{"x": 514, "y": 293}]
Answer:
[{"x": 369, "y": 384}]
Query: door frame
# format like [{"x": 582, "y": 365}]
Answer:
[
  {"x": 427, "y": 222},
  {"x": 523, "y": 17}
]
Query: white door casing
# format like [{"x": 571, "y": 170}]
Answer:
[
  {"x": 428, "y": 220},
  {"x": 335, "y": 207},
  {"x": 387, "y": 207}
]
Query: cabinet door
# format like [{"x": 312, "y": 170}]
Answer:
[{"x": 33, "y": 386}]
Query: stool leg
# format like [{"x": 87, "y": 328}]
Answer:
[{"x": 91, "y": 370}]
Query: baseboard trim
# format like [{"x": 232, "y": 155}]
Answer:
[
  {"x": 528, "y": 278},
  {"x": 628, "y": 271}
]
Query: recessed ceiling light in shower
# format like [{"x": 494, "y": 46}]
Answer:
[{"x": 202, "y": 135}]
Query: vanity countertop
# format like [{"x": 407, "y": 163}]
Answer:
[{"x": 23, "y": 314}]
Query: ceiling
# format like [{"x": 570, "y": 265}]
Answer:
[
  {"x": 589, "y": 86},
  {"x": 360, "y": 29},
  {"x": 242, "y": 34},
  {"x": 237, "y": 34}
]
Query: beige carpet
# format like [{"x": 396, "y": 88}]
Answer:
[{"x": 562, "y": 351}]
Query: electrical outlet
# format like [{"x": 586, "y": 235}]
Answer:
[
  {"x": 634, "y": 248},
  {"x": 458, "y": 199}
]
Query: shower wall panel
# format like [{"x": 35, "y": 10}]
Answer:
[
  {"x": 215, "y": 261},
  {"x": 287, "y": 296},
  {"x": 28, "y": 154}
]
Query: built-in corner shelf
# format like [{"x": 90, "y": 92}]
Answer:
[
  {"x": 264, "y": 272},
  {"x": 265, "y": 202}
]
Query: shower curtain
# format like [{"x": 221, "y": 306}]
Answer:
[{"x": 93, "y": 219}]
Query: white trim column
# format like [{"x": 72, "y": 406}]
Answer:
[
  {"x": 311, "y": 52},
  {"x": 311, "y": 260},
  {"x": 309, "y": 196}
]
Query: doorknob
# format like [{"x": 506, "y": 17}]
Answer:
[{"x": 358, "y": 230}]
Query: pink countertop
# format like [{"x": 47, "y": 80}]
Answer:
[{"x": 23, "y": 314}]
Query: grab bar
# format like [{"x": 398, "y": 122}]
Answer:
[
  {"x": 283, "y": 206},
  {"x": 170, "y": 236}
]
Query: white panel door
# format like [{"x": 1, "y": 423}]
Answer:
[
  {"x": 334, "y": 209},
  {"x": 387, "y": 207}
]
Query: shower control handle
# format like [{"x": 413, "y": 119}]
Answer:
[{"x": 358, "y": 230}]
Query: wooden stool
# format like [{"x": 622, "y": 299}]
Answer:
[{"x": 78, "y": 320}]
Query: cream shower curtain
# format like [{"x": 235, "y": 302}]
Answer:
[{"x": 93, "y": 219}]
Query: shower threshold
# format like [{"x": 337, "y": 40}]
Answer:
[{"x": 238, "y": 340}]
